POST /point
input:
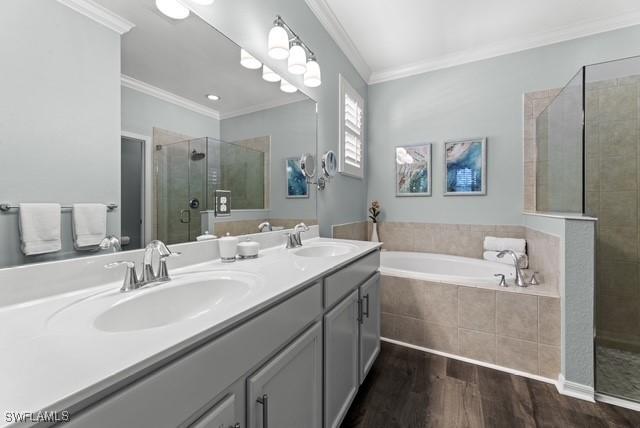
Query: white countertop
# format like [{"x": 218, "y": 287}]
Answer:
[{"x": 45, "y": 367}]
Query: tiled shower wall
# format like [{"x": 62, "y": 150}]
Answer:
[
  {"x": 612, "y": 187},
  {"x": 534, "y": 104}
]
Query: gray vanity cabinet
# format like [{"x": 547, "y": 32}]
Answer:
[
  {"x": 369, "y": 324},
  {"x": 287, "y": 391},
  {"x": 341, "y": 358}
]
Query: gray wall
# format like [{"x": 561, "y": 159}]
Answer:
[
  {"x": 247, "y": 22},
  {"x": 59, "y": 115},
  {"x": 479, "y": 99},
  {"x": 292, "y": 129},
  {"x": 142, "y": 112}
]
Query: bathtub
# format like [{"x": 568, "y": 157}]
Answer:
[{"x": 443, "y": 268}]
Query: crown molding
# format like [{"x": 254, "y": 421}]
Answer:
[
  {"x": 170, "y": 97},
  {"x": 330, "y": 22},
  {"x": 260, "y": 107},
  {"x": 100, "y": 14},
  {"x": 582, "y": 29}
]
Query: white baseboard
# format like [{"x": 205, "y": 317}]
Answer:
[
  {"x": 472, "y": 361},
  {"x": 575, "y": 390},
  {"x": 632, "y": 405}
]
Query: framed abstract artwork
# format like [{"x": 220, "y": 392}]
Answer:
[
  {"x": 297, "y": 186},
  {"x": 413, "y": 170},
  {"x": 465, "y": 166}
]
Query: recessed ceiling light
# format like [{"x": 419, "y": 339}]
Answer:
[
  {"x": 213, "y": 97},
  {"x": 172, "y": 8}
]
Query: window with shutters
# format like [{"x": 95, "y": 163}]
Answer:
[{"x": 351, "y": 131}]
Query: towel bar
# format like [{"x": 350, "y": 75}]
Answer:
[{"x": 5, "y": 207}]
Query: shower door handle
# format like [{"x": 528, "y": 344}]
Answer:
[{"x": 185, "y": 216}]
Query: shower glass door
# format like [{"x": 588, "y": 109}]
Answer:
[{"x": 183, "y": 176}]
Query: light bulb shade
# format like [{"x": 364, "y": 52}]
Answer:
[
  {"x": 248, "y": 61},
  {"x": 278, "y": 44},
  {"x": 287, "y": 87},
  {"x": 172, "y": 8},
  {"x": 204, "y": 2},
  {"x": 269, "y": 75},
  {"x": 312, "y": 77},
  {"x": 297, "y": 59}
]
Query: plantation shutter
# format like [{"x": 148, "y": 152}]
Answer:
[{"x": 351, "y": 131}]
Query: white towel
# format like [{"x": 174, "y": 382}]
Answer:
[
  {"x": 89, "y": 225},
  {"x": 492, "y": 256},
  {"x": 491, "y": 243},
  {"x": 39, "y": 228}
]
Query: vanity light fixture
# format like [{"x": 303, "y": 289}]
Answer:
[
  {"x": 249, "y": 61},
  {"x": 278, "y": 43},
  {"x": 173, "y": 9},
  {"x": 284, "y": 43},
  {"x": 297, "y": 63},
  {"x": 312, "y": 78},
  {"x": 212, "y": 97},
  {"x": 269, "y": 75},
  {"x": 287, "y": 87}
]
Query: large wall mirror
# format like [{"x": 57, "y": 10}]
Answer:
[{"x": 183, "y": 121}]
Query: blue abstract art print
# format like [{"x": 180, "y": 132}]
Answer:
[
  {"x": 297, "y": 186},
  {"x": 466, "y": 167}
]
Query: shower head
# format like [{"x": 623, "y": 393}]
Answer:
[{"x": 196, "y": 156}]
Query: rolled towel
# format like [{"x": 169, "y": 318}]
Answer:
[
  {"x": 492, "y": 256},
  {"x": 89, "y": 225},
  {"x": 39, "y": 228},
  {"x": 491, "y": 243}
]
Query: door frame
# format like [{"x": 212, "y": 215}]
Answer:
[{"x": 146, "y": 204}]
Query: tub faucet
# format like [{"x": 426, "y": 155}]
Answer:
[
  {"x": 110, "y": 242},
  {"x": 516, "y": 263},
  {"x": 265, "y": 227}
]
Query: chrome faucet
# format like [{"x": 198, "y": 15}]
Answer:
[
  {"x": 294, "y": 239},
  {"x": 516, "y": 263},
  {"x": 297, "y": 229},
  {"x": 110, "y": 242},
  {"x": 265, "y": 226},
  {"x": 149, "y": 276}
]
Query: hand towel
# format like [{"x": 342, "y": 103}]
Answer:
[
  {"x": 491, "y": 243},
  {"x": 89, "y": 225},
  {"x": 492, "y": 256},
  {"x": 39, "y": 228}
]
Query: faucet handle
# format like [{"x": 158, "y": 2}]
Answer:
[
  {"x": 131, "y": 281},
  {"x": 533, "y": 280},
  {"x": 503, "y": 281},
  {"x": 301, "y": 227}
]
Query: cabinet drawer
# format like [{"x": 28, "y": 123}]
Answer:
[
  {"x": 174, "y": 393},
  {"x": 348, "y": 278}
]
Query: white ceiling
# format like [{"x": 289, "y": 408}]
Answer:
[
  {"x": 190, "y": 59},
  {"x": 391, "y": 39}
]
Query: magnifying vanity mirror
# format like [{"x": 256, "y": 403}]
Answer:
[
  {"x": 329, "y": 164},
  {"x": 154, "y": 122}
]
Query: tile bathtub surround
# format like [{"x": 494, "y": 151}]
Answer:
[
  {"x": 357, "y": 231},
  {"x": 514, "y": 330}
]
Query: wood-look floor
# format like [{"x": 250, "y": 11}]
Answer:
[{"x": 408, "y": 388}]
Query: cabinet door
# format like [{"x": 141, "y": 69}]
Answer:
[
  {"x": 287, "y": 391},
  {"x": 221, "y": 415},
  {"x": 340, "y": 359},
  {"x": 369, "y": 324}
]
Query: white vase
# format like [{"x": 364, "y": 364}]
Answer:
[{"x": 374, "y": 233}]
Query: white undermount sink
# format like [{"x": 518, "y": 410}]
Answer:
[
  {"x": 188, "y": 297},
  {"x": 325, "y": 250}
]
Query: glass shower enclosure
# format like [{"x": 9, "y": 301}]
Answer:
[{"x": 588, "y": 161}]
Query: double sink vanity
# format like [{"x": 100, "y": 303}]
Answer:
[{"x": 283, "y": 340}]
